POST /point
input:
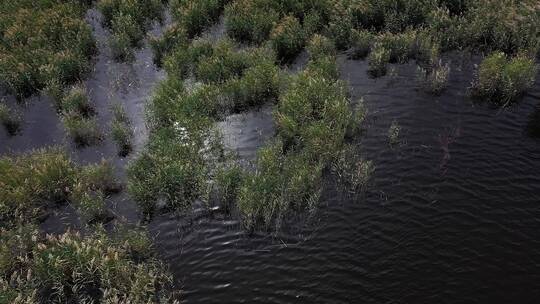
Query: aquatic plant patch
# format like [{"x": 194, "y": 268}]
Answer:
[
  {"x": 31, "y": 182},
  {"x": 71, "y": 267},
  {"x": 45, "y": 44}
]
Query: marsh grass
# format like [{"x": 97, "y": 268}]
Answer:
[
  {"x": 502, "y": 79},
  {"x": 361, "y": 43},
  {"x": 43, "y": 43},
  {"x": 76, "y": 101},
  {"x": 352, "y": 171},
  {"x": 173, "y": 37},
  {"x": 83, "y": 130},
  {"x": 196, "y": 15},
  {"x": 10, "y": 119},
  {"x": 287, "y": 39},
  {"x": 128, "y": 22},
  {"x": 75, "y": 268},
  {"x": 30, "y": 180},
  {"x": 250, "y": 21},
  {"x": 121, "y": 130},
  {"x": 320, "y": 46},
  {"x": 378, "y": 61},
  {"x": 30, "y": 183}
]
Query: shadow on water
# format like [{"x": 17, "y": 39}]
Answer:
[{"x": 452, "y": 215}]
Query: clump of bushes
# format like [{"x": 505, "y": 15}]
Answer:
[
  {"x": 352, "y": 171},
  {"x": 504, "y": 79},
  {"x": 128, "y": 22},
  {"x": 173, "y": 37},
  {"x": 121, "y": 130},
  {"x": 287, "y": 39},
  {"x": 75, "y": 268},
  {"x": 43, "y": 44},
  {"x": 10, "y": 120}
]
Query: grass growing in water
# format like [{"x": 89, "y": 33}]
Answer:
[
  {"x": 30, "y": 182},
  {"x": 44, "y": 44},
  {"x": 121, "y": 130},
  {"x": 128, "y": 21},
  {"x": 75, "y": 268}
]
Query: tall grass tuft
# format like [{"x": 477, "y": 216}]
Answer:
[{"x": 10, "y": 119}]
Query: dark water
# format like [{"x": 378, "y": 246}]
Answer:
[{"x": 452, "y": 214}]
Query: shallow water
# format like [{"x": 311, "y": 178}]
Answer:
[{"x": 452, "y": 214}]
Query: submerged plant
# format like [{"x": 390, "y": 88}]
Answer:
[
  {"x": 10, "y": 120},
  {"x": 394, "y": 133},
  {"x": 434, "y": 79}
]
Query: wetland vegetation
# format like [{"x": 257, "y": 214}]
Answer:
[{"x": 47, "y": 48}]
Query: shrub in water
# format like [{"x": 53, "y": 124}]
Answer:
[
  {"x": 76, "y": 101},
  {"x": 250, "y": 21},
  {"x": 401, "y": 46},
  {"x": 72, "y": 268},
  {"x": 43, "y": 43},
  {"x": 173, "y": 37},
  {"x": 28, "y": 180},
  {"x": 353, "y": 171},
  {"x": 320, "y": 46},
  {"x": 287, "y": 39},
  {"x": 361, "y": 42},
  {"x": 378, "y": 60},
  {"x": 10, "y": 120},
  {"x": 228, "y": 179},
  {"x": 393, "y": 133},
  {"x": 83, "y": 130},
  {"x": 507, "y": 78},
  {"x": 196, "y": 15}
]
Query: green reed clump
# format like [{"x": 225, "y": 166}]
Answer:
[
  {"x": 378, "y": 60},
  {"x": 172, "y": 171},
  {"x": 361, "y": 43},
  {"x": 312, "y": 119},
  {"x": 121, "y": 130},
  {"x": 196, "y": 15},
  {"x": 320, "y": 46},
  {"x": 43, "y": 44},
  {"x": 76, "y": 101},
  {"x": 83, "y": 130},
  {"x": 250, "y": 21},
  {"x": 401, "y": 46},
  {"x": 10, "y": 119},
  {"x": 287, "y": 39},
  {"x": 352, "y": 171},
  {"x": 30, "y": 181},
  {"x": 173, "y": 37},
  {"x": 504, "y": 79},
  {"x": 128, "y": 21},
  {"x": 227, "y": 181},
  {"x": 75, "y": 268}
]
